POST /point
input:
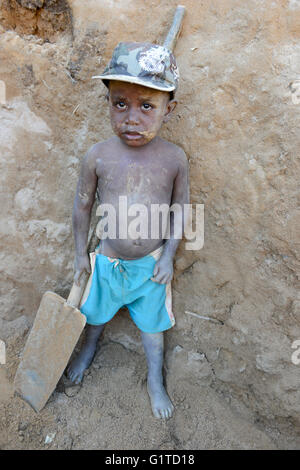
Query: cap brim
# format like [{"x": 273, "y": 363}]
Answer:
[{"x": 137, "y": 80}]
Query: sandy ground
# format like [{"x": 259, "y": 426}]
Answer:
[
  {"x": 238, "y": 125},
  {"x": 111, "y": 409}
]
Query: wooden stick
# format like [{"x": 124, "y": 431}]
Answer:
[
  {"x": 174, "y": 31},
  {"x": 202, "y": 317}
]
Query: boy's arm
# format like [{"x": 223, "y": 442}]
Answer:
[
  {"x": 163, "y": 270},
  {"x": 81, "y": 216}
]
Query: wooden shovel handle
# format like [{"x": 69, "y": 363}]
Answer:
[
  {"x": 76, "y": 291},
  {"x": 174, "y": 31}
]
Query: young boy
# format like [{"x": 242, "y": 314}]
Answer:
[{"x": 146, "y": 169}]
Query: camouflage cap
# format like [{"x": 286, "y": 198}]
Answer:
[{"x": 142, "y": 63}]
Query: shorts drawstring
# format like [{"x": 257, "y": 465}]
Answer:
[{"x": 117, "y": 262}]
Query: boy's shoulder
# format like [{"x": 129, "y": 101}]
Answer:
[
  {"x": 173, "y": 150},
  {"x": 99, "y": 150}
]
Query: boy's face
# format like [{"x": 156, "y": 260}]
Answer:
[{"x": 137, "y": 112}]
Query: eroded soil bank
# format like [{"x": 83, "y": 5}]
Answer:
[{"x": 233, "y": 381}]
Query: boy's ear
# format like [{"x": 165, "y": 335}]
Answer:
[{"x": 170, "y": 108}]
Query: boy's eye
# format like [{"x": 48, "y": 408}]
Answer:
[
  {"x": 146, "y": 106},
  {"x": 120, "y": 104}
]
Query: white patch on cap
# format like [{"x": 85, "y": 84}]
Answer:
[{"x": 152, "y": 60}]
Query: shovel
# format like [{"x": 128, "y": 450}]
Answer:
[
  {"x": 59, "y": 323},
  {"x": 52, "y": 339}
]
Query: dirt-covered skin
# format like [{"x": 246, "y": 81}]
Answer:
[
  {"x": 145, "y": 169},
  {"x": 137, "y": 164}
]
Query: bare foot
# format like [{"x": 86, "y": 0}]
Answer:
[
  {"x": 86, "y": 355},
  {"x": 77, "y": 367},
  {"x": 161, "y": 404}
]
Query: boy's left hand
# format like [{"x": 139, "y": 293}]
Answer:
[{"x": 163, "y": 270}]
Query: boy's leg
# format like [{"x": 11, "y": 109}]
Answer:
[
  {"x": 154, "y": 349},
  {"x": 86, "y": 355}
]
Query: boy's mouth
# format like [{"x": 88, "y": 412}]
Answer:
[{"x": 132, "y": 135}]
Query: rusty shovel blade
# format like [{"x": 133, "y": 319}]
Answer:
[{"x": 52, "y": 339}]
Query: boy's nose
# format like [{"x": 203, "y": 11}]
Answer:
[{"x": 132, "y": 117}]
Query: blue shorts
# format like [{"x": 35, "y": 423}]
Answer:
[{"x": 116, "y": 282}]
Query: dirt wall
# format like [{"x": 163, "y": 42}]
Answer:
[{"x": 237, "y": 120}]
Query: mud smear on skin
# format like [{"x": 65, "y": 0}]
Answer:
[{"x": 148, "y": 135}]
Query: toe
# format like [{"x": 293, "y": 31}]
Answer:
[
  {"x": 70, "y": 375},
  {"x": 78, "y": 379},
  {"x": 74, "y": 377}
]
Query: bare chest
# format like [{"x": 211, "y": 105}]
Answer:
[{"x": 140, "y": 182}]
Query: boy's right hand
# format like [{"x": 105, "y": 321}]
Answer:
[{"x": 82, "y": 262}]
